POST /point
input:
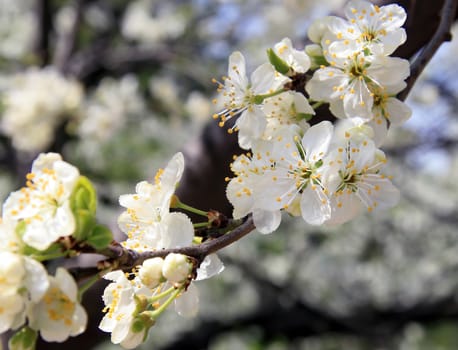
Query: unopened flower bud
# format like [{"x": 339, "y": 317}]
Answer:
[
  {"x": 151, "y": 272},
  {"x": 176, "y": 268}
]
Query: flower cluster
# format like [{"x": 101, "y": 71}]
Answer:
[
  {"x": 325, "y": 173},
  {"x": 135, "y": 300},
  {"x": 109, "y": 107},
  {"x": 33, "y": 219},
  {"x": 51, "y": 98}
]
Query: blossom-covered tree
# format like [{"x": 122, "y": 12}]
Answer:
[{"x": 307, "y": 131}]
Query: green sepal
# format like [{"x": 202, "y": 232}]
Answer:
[
  {"x": 280, "y": 65},
  {"x": 304, "y": 116},
  {"x": 24, "y": 339},
  {"x": 318, "y": 61},
  {"x": 83, "y": 202},
  {"x": 85, "y": 222},
  {"x": 258, "y": 99},
  {"x": 84, "y": 196},
  {"x": 100, "y": 237}
]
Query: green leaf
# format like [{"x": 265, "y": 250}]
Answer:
[
  {"x": 85, "y": 222},
  {"x": 84, "y": 196},
  {"x": 279, "y": 65},
  {"x": 24, "y": 339},
  {"x": 318, "y": 61},
  {"x": 100, "y": 237}
]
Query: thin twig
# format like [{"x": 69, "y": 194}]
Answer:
[
  {"x": 441, "y": 35},
  {"x": 67, "y": 40},
  {"x": 125, "y": 259}
]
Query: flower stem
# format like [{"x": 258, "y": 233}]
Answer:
[
  {"x": 154, "y": 314},
  {"x": 190, "y": 209},
  {"x": 260, "y": 98},
  {"x": 317, "y": 104},
  {"x": 200, "y": 224},
  {"x": 159, "y": 296},
  {"x": 85, "y": 286}
]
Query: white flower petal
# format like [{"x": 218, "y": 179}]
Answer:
[
  {"x": 36, "y": 279},
  {"x": 266, "y": 221},
  {"x": 317, "y": 139},
  {"x": 187, "y": 304},
  {"x": 210, "y": 267},
  {"x": 179, "y": 231},
  {"x": 315, "y": 206}
]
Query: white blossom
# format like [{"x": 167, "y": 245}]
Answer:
[
  {"x": 359, "y": 181},
  {"x": 139, "y": 23},
  {"x": 348, "y": 84},
  {"x": 17, "y": 26},
  {"x": 44, "y": 205},
  {"x": 241, "y": 189},
  {"x": 147, "y": 221},
  {"x": 58, "y": 315},
  {"x": 109, "y": 107},
  {"x": 22, "y": 281},
  {"x": 36, "y": 102},
  {"x": 240, "y": 95},
  {"x": 284, "y": 109},
  {"x": 298, "y": 175},
  {"x": 121, "y": 305},
  {"x": 371, "y": 27},
  {"x": 296, "y": 59},
  {"x": 287, "y": 173}
]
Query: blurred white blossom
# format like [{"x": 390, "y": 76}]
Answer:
[
  {"x": 36, "y": 102},
  {"x": 151, "y": 21},
  {"x": 17, "y": 28},
  {"x": 110, "y": 107}
]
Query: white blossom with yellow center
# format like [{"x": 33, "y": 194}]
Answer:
[
  {"x": 147, "y": 221},
  {"x": 58, "y": 315},
  {"x": 347, "y": 83},
  {"x": 298, "y": 173},
  {"x": 44, "y": 204},
  {"x": 377, "y": 29},
  {"x": 22, "y": 281},
  {"x": 239, "y": 95},
  {"x": 358, "y": 181}
]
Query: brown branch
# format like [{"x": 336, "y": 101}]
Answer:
[
  {"x": 67, "y": 40},
  {"x": 441, "y": 35},
  {"x": 121, "y": 258},
  {"x": 43, "y": 27}
]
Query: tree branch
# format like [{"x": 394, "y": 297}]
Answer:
[
  {"x": 441, "y": 35},
  {"x": 125, "y": 259},
  {"x": 67, "y": 40},
  {"x": 43, "y": 27}
]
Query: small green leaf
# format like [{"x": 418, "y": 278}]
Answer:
[
  {"x": 85, "y": 222},
  {"x": 84, "y": 196},
  {"x": 319, "y": 61},
  {"x": 24, "y": 339},
  {"x": 100, "y": 237},
  {"x": 279, "y": 65}
]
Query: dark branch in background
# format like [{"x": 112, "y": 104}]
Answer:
[
  {"x": 101, "y": 57},
  {"x": 441, "y": 35},
  {"x": 43, "y": 28},
  {"x": 298, "y": 319},
  {"x": 67, "y": 40}
]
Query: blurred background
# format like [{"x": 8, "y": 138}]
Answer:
[{"x": 117, "y": 87}]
